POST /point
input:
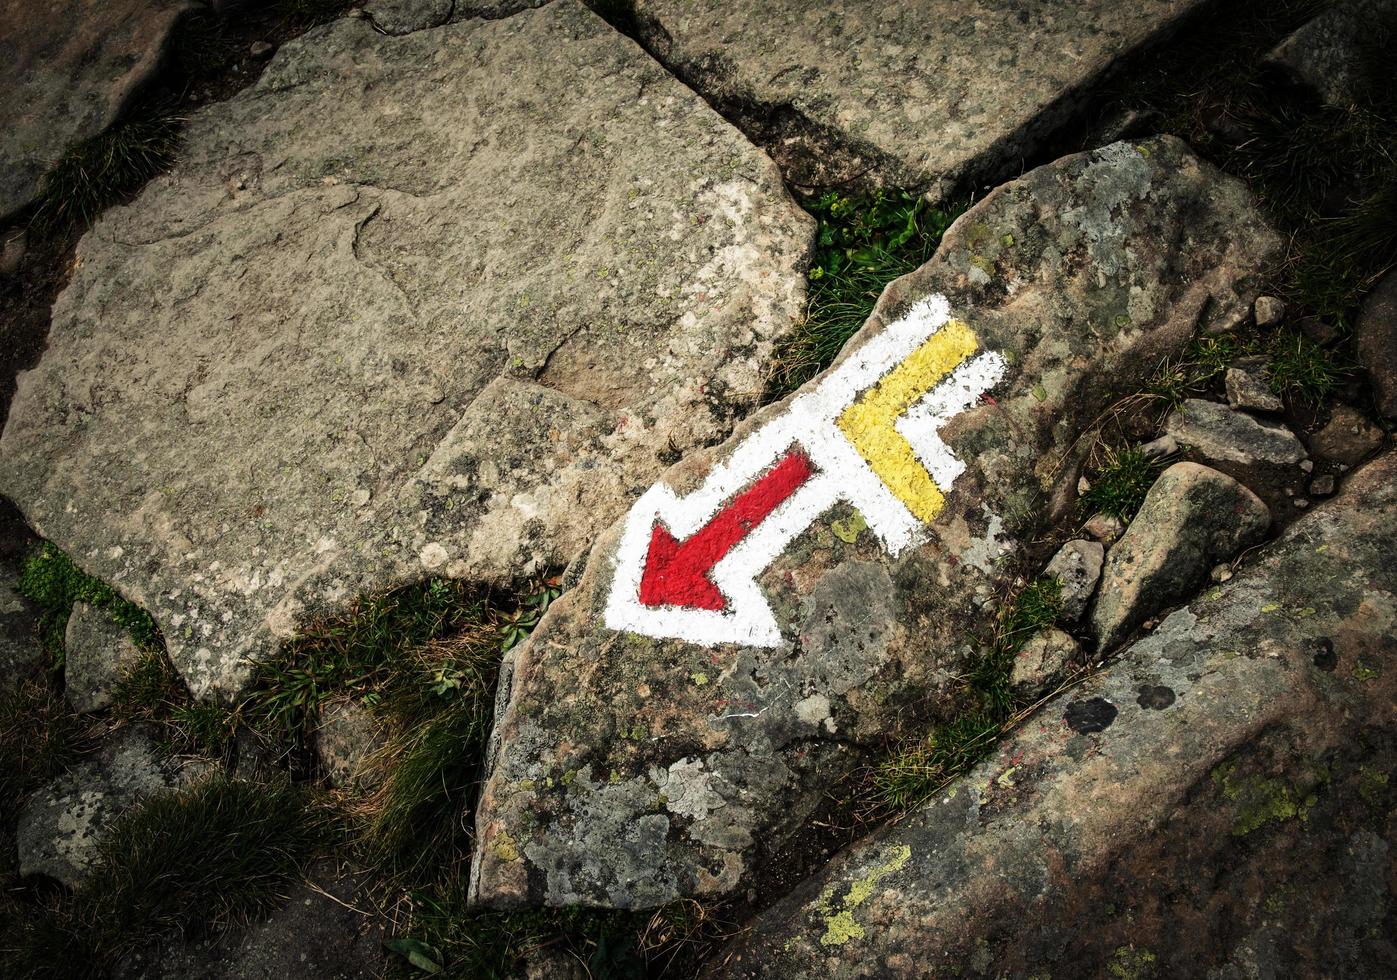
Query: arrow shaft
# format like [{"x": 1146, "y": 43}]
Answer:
[{"x": 750, "y": 508}]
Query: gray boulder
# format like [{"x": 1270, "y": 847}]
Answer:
[
  {"x": 1192, "y": 518},
  {"x": 1077, "y": 566},
  {"x": 1221, "y": 434},
  {"x": 438, "y": 304},
  {"x": 1344, "y": 52},
  {"x": 631, "y": 771},
  {"x": 69, "y": 69},
  {"x": 62, "y": 822},
  {"x": 1216, "y": 799},
  {"x": 1376, "y": 336},
  {"x": 1348, "y": 437},
  {"x": 906, "y": 93},
  {"x": 1044, "y": 661},
  {"x": 96, "y": 651},
  {"x": 1246, "y": 386}
]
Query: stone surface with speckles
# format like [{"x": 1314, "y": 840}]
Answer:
[
  {"x": 1192, "y": 518},
  {"x": 96, "y": 649},
  {"x": 62, "y": 822},
  {"x": 902, "y": 92},
  {"x": 437, "y": 304},
  {"x": 406, "y": 16},
  {"x": 631, "y": 772},
  {"x": 1226, "y": 803}
]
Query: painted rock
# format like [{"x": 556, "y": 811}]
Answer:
[
  {"x": 440, "y": 304},
  {"x": 776, "y": 607},
  {"x": 1249, "y": 735}
]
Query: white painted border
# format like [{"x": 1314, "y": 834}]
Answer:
[{"x": 809, "y": 421}]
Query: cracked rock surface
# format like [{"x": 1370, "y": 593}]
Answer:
[
  {"x": 438, "y": 304},
  {"x": 904, "y": 92},
  {"x": 1216, "y": 803},
  {"x": 630, "y": 772}
]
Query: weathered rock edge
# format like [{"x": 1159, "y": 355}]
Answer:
[
  {"x": 438, "y": 304},
  {"x": 939, "y": 95},
  {"x": 630, "y": 772},
  {"x": 1007, "y": 869}
]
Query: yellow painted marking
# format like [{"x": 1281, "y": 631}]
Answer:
[{"x": 868, "y": 423}]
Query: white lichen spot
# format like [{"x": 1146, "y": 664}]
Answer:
[{"x": 433, "y": 555}]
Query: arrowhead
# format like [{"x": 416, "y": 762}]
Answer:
[{"x": 676, "y": 575}]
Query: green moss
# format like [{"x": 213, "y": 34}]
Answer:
[
  {"x": 54, "y": 583},
  {"x": 863, "y": 243},
  {"x": 1132, "y": 963},
  {"x": 1259, "y": 800}
]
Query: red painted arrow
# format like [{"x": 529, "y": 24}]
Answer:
[{"x": 677, "y": 574}]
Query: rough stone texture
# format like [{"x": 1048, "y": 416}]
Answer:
[
  {"x": 406, "y": 16},
  {"x": 1376, "y": 335},
  {"x": 1043, "y": 661},
  {"x": 1077, "y": 566},
  {"x": 1346, "y": 438},
  {"x": 905, "y": 92},
  {"x": 1104, "y": 527},
  {"x": 1220, "y": 434},
  {"x": 68, "y": 68},
  {"x": 1215, "y": 804},
  {"x": 62, "y": 821},
  {"x": 346, "y": 737},
  {"x": 318, "y": 933},
  {"x": 1192, "y": 518},
  {"x": 1245, "y": 382},
  {"x": 433, "y": 304},
  {"x": 631, "y": 771},
  {"x": 1335, "y": 52},
  {"x": 21, "y": 653},
  {"x": 1268, "y": 311},
  {"x": 95, "y": 650}
]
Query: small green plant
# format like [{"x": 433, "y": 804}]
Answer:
[
  {"x": 863, "y": 243},
  {"x": 1202, "y": 362},
  {"x": 920, "y": 767},
  {"x": 1301, "y": 368},
  {"x": 54, "y": 583},
  {"x": 102, "y": 170},
  {"x": 1122, "y": 481},
  {"x": 200, "y": 857}
]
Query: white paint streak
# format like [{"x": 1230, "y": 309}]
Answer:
[{"x": 842, "y": 474}]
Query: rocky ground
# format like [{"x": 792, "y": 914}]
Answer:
[{"x": 343, "y": 345}]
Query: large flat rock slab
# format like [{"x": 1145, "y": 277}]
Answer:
[
  {"x": 665, "y": 731},
  {"x": 438, "y": 304},
  {"x": 67, "y": 70},
  {"x": 908, "y": 92},
  {"x": 1215, "y": 803}
]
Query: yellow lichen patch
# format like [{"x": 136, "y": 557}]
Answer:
[
  {"x": 840, "y": 925},
  {"x": 868, "y": 423},
  {"x": 502, "y": 846}
]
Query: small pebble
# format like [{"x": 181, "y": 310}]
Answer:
[
  {"x": 1301, "y": 503},
  {"x": 261, "y": 49},
  {"x": 1322, "y": 486},
  {"x": 1221, "y": 573},
  {"x": 1161, "y": 447},
  {"x": 1308, "y": 465},
  {"x": 1083, "y": 486},
  {"x": 1104, "y": 528},
  {"x": 1268, "y": 311}
]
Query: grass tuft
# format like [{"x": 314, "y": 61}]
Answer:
[
  {"x": 212, "y": 854},
  {"x": 54, "y": 583},
  {"x": 39, "y": 738},
  {"x": 105, "y": 169},
  {"x": 1302, "y": 369},
  {"x": 1120, "y": 484},
  {"x": 863, "y": 243},
  {"x": 920, "y": 767}
]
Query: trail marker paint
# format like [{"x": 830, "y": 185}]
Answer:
[{"x": 687, "y": 568}]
